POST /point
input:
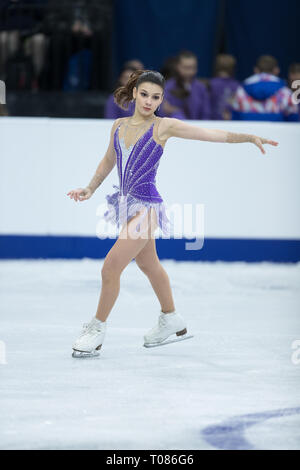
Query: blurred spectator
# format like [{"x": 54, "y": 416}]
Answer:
[
  {"x": 264, "y": 96},
  {"x": 112, "y": 110},
  {"x": 78, "y": 71},
  {"x": 293, "y": 76},
  {"x": 135, "y": 64},
  {"x": 3, "y": 110},
  {"x": 223, "y": 86},
  {"x": 22, "y": 42},
  {"x": 185, "y": 96},
  {"x": 75, "y": 29},
  {"x": 168, "y": 69}
]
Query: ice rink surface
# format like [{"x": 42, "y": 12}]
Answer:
[{"x": 235, "y": 385}]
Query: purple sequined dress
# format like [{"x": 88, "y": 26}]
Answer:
[{"x": 137, "y": 167}]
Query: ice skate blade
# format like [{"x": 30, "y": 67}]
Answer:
[
  {"x": 83, "y": 354},
  {"x": 180, "y": 338}
]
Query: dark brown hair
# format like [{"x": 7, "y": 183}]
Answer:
[
  {"x": 294, "y": 68},
  {"x": 266, "y": 63},
  {"x": 225, "y": 63},
  {"x": 124, "y": 94},
  {"x": 186, "y": 54},
  {"x": 180, "y": 91}
]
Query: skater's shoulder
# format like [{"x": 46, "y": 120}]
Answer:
[
  {"x": 121, "y": 120},
  {"x": 118, "y": 121},
  {"x": 116, "y": 124},
  {"x": 163, "y": 128}
]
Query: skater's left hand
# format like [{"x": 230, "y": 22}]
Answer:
[{"x": 260, "y": 141}]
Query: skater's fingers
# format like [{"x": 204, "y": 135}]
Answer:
[
  {"x": 259, "y": 145},
  {"x": 72, "y": 194},
  {"x": 79, "y": 194},
  {"x": 268, "y": 141}
]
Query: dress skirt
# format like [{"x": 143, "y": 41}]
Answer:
[{"x": 121, "y": 208}]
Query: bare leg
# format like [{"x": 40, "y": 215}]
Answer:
[
  {"x": 122, "y": 252},
  {"x": 148, "y": 261}
]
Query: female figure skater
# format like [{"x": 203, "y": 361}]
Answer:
[{"x": 136, "y": 145}]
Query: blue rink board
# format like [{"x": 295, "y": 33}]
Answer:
[{"x": 213, "y": 249}]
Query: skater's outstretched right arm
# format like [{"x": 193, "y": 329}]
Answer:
[{"x": 104, "y": 168}]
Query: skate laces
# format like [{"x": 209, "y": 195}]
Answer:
[
  {"x": 162, "y": 321},
  {"x": 92, "y": 328}
]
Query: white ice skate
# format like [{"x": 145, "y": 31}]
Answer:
[
  {"x": 170, "y": 325},
  {"x": 90, "y": 339}
]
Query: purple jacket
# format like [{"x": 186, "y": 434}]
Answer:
[
  {"x": 113, "y": 111},
  {"x": 221, "y": 90},
  {"x": 195, "y": 106}
]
